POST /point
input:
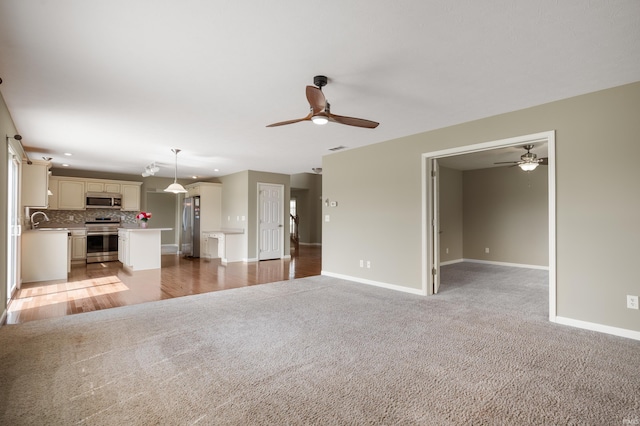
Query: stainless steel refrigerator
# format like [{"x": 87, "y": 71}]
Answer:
[{"x": 190, "y": 237}]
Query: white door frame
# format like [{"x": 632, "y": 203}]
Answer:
[{"x": 427, "y": 237}]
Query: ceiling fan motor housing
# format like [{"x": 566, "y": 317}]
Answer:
[{"x": 320, "y": 81}]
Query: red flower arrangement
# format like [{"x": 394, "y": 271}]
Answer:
[{"x": 143, "y": 216}]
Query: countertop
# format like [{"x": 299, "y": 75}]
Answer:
[
  {"x": 60, "y": 225},
  {"x": 226, "y": 231},
  {"x": 136, "y": 228}
]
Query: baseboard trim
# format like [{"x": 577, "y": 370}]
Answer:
[
  {"x": 515, "y": 265},
  {"x": 395, "y": 287},
  {"x": 620, "y": 332},
  {"x": 451, "y": 262}
]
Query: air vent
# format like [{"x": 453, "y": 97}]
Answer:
[{"x": 337, "y": 148}]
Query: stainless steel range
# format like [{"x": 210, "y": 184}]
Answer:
[{"x": 102, "y": 239}]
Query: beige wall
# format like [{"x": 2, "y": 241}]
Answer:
[
  {"x": 307, "y": 189},
  {"x": 240, "y": 198},
  {"x": 597, "y": 201},
  {"x": 507, "y": 211},
  {"x": 235, "y": 204}
]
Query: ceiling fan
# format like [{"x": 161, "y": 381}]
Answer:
[
  {"x": 320, "y": 111},
  {"x": 528, "y": 161}
]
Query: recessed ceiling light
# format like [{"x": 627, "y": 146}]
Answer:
[
  {"x": 216, "y": 170},
  {"x": 194, "y": 177},
  {"x": 65, "y": 165},
  {"x": 68, "y": 154}
]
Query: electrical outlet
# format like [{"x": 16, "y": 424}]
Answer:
[
  {"x": 486, "y": 249},
  {"x": 446, "y": 250},
  {"x": 632, "y": 302},
  {"x": 361, "y": 263},
  {"x": 368, "y": 264},
  {"x": 71, "y": 217},
  {"x": 327, "y": 218}
]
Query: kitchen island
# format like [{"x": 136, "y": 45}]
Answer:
[{"x": 140, "y": 248}]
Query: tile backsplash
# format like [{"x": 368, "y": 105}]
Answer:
[{"x": 79, "y": 217}]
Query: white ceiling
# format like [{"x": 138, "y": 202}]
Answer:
[{"x": 119, "y": 83}]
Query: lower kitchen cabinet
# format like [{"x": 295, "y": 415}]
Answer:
[
  {"x": 44, "y": 255},
  {"x": 123, "y": 247},
  {"x": 78, "y": 245}
]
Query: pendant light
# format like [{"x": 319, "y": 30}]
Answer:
[{"x": 175, "y": 187}]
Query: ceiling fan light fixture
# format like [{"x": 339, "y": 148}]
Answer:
[
  {"x": 528, "y": 167},
  {"x": 175, "y": 187},
  {"x": 320, "y": 120}
]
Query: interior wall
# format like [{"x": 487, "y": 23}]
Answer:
[
  {"x": 162, "y": 206},
  {"x": 451, "y": 216},
  {"x": 379, "y": 215},
  {"x": 235, "y": 204},
  {"x": 507, "y": 211},
  {"x": 307, "y": 188}
]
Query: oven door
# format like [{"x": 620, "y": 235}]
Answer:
[{"x": 102, "y": 246}]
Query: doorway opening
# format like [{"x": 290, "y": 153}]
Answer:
[{"x": 430, "y": 207}]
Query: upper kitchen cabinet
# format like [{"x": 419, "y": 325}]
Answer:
[
  {"x": 35, "y": 184},
  {"x": 71, "y": 195},
  {"x": 99, "y": 186},
  {"x": 131, "y": 196}
]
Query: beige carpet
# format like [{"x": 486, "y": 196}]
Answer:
[{"x": 323, "y": 351}]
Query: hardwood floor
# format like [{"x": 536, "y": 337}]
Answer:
[{"x": 107, "y": 285}]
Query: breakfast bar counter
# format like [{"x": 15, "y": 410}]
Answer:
[{"x": 230, "y": 247}]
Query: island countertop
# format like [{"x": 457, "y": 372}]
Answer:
[{"x": 137, "y": 228}]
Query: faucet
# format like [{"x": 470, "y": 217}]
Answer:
[{"x": 34, "y": 225}]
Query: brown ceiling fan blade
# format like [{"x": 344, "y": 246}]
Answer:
[
  {"x": 507, "y": 162},
  {"x": 316, "y": 99},
  {"x": 297, "y": 120},
  {"x": 543, "y": 161},
  {"x": 351, "y": 121}
]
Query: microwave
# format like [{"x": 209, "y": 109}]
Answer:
[{"x": 103, "y": 200}]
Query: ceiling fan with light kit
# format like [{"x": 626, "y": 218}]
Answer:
[
  {"x": 528, "y": 161},
  {"x": 320, "y": 110}
]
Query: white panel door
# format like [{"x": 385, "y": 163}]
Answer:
[{"x": 270, "y": 217}]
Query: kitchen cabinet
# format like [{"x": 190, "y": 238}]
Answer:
[
  {"x": 123, "y": 247},
  {"x": 71, "y": 195},
  {"x": 131, "y": 197},
  {"x": 210, "y": 209},
  {"x": 35, "y": 184},
  {"x": 78, "y": 245},
  {"x": 45, "y": 255},
  {"x": 100, "y": 186}
]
